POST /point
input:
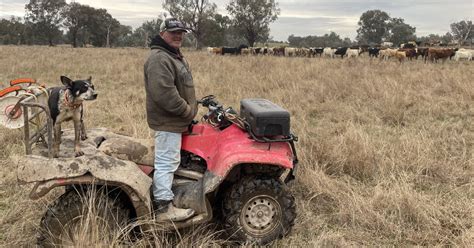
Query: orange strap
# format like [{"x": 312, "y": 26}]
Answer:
[
  {"x": 22, "y": 81},
  {"x": 9, "y": 90}
]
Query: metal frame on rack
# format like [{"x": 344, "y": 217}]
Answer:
[{"x": 42, "y": 129}]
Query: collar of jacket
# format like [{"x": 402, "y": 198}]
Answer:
[{"x": 159, "y": 43}]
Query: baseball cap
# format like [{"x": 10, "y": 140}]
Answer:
[{"x": 172, "y": 24}]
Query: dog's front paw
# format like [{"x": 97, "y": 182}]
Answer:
[
  {"x": 84, "y": 137},
  {"x": 79, "y": 153}
]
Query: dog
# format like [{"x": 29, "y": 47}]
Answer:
[{"x": 65, "y": 104}]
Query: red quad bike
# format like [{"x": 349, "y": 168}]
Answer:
[{"x": 234, "y": 169}]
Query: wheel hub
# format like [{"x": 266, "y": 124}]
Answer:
[{"x": 260, "y": 215}]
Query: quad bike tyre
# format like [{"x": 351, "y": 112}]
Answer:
[
  {"x": 258, "y": 210},
  {"x": 70, "y": 216}
]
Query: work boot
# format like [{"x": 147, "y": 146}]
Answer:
[{"x": 165, "y": 211}]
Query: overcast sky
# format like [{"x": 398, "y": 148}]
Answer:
[{"x": 300, "y": 17}]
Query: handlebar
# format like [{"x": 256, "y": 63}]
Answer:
[
  {"x": 217, "y": 115},
  {"x": 222, "y": 118},
  {"x": 208, "y": 101}
]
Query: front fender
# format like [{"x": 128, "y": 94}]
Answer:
[
  {"x": 276, "y": 154},
  {"x": 224, "y": 149},
  {"x": 50, "y": 173}
]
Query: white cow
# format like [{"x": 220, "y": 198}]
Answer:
[
  {"x": 290, "y": 51},
  {"x": 463, "y": 54},
  {"x": 353, "y": 52},
  {"x": 270, "y": 51},
  {"x": 327, "y": 51},
  {"x": 209, "y": 50}
]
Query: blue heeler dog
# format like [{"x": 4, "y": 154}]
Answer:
[{"x": 65, "y": 104}]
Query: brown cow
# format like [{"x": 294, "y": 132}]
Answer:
[
  {"x": 410, "y": 52},
  {"x": 217, "y": 50},
  {"x": 279, "y": 51},
  {"x": 434, "y": 54},
  {"x": 423, "y": 52}
]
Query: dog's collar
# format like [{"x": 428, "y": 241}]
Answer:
[{"x": 68, "y": 102}]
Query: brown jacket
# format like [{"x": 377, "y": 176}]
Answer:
[{"x": 170, "y": 96}]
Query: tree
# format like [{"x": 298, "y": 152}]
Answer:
[
  {"x": 327, "y": 40},
  {"x": 46, "y": 18},
  {"x": 217, "y": 28},
  {"x": 194, "y": 14},
  {"x": 400, "y": 32},
  {"x": 103, "y": 27},
  {"x": 373, "y": 26},
  {"x": 252, "y": 18},
  {"x": 143, "y": 34},
  {"x": 76, "y": 17},
  {"x": 12, "y": 31},
  {"x": 462, "y": 31}
]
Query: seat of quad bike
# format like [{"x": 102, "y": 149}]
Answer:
[{"x": 140, "y": 151}]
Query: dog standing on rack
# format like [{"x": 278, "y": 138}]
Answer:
[{"x": 65, "y": 104}]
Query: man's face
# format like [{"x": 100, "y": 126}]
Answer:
[{"x": 174, "y": 39}]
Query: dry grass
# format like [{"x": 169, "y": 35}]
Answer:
[{"x": 386, "y": 149}]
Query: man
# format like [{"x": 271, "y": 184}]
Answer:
[{"x": 171, "y": 106}]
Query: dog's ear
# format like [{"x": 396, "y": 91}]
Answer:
[
  {"x": 66, "y": 81},
  {"x": 89, "y": 79}
]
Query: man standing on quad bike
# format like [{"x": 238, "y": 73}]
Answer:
[{"x": 171, "y": 106}]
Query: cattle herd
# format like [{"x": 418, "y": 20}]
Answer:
[{"x": 407, "y": 51}]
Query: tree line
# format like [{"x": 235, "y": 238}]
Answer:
[
  {"x": 51, "y": 22},
  {"x": 376, "y": 26}
]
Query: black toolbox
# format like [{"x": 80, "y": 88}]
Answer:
[{"x": 266, "y": 119}]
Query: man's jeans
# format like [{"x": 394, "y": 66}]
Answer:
[{"x": 167, "y": 159}]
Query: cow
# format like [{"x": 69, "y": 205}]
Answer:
[
  {"x": 270, "y": 51},
  {"x": 328, "y": 51},
  {"x": 463, "y": 54},
  {"x": 256, "y": 50},
  {"x": 217, "y": 50},
  {"x": 279, "y": 51},
  {"x": 233, "y": 50},
  {"x": 409, "y": 52},
  {"x": 400, "y": 55},
  {"x": 209, "y": 50},
  {"x": 341, "y": 51},
  {"x": 245, "y": 51},
  {"x": 410, "y": 44},
  {"x": 304, "y": 52},
  {"x": 353, "y": 52},
  {"x": 230, "y": 50},
  {"x": 387, "y": 53},
  {"x": 435, "y": 54},
  {"x": 290, "y": 51},
  {"x": 374, "y": 51},
  {"x": 423, "y": 52},
  {"x": 364, "y": 48},
  {"x": 317, "y": 51}
]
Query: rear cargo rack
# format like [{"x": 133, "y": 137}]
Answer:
[{"x": 40, "y": 120}]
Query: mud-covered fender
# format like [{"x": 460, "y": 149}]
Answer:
[{"x": 50, "y": 173}]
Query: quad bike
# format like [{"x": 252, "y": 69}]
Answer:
[{"x": 233, "y": 169}]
